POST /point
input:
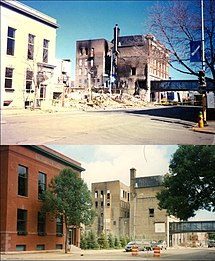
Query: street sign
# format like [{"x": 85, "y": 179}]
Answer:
[{"x": 195, "y": 51}]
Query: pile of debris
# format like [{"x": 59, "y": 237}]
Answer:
[{"x": 104, "y": 101}]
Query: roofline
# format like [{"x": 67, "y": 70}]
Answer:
[
  {"x": 19, "y": 9},
  {"x": 57, "y": 158}
]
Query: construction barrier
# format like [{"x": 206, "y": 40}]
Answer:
[
  {"x": 134, "y": 250},
  {"x": 156, "y": 251}
]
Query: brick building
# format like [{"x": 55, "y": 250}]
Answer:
[
  {"x": 25, "y": 173},
  {"x": 139, "y": 60},
  {"x": 92, "y": 57},
  {"x": 111, "y": 201}
]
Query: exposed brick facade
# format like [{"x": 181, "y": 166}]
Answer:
[{"x": 35, "y": 159}]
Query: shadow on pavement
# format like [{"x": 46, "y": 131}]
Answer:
[{"x": 176, "y": 112}]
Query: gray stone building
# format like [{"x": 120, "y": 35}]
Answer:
[{"x": 111, "y": 201}]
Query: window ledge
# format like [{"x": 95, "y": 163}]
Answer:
[
  {"x": 29, "y": 91},
  {"x": 9, "y": 89},
  {"x": 59, "y": 234},
  {"x": 42, "y": 233},
  {"x": 22, "y": 232}
]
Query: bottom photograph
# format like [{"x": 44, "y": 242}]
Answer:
[{"x": 107, "y": 202}]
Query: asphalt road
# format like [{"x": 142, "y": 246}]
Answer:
[
  {"x": 175, "y": 254},
  {"x": 163, "y": 125}
]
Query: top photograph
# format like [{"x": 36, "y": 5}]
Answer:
[{"x": 107, "y": 72}]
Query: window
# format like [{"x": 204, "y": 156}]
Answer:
[
  {"x": 80, "y": 72},
  {"x": 102, "y": 194},
  {"x": 133, "y": 71},
  {"x": 151, "y": 212},
  {"x": 45, "y": 50},
  {"x": 22, "y": 181},
  {"x": 20, "y": 247},
  {"x": 40, "y": 247},
  {"x": 29, "y": 78},
  {"x": 21, "y": 221},
  {"x": 59, "y": 246},
  {"x": 31, "y": 46},
  {"x": 41, "y": 224},
  {"x": 96, "y": 194},
  {"x": 102, "y": 204},
  {"x": 86, "y": 51},
  {"x": 43, "y": 91},
  {"x": 41, "y": 183},
  {"x": 96, "y": 204},
  {"x": 8, "y": 78},
  {"x": 92, "y": 52},
  {"x": 80, "y": 51},
  {"x": 59, "y": 226},
  {"x": 10, "y": 40},
  {"x": 80, "y": 62}
]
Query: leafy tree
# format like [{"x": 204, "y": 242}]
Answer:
[
  {"x": 176, "y": 23},
  {"x": 211, "y": 236},
  {"x": 116, "y": 242},
  {"x": 69, "y": 198},
  {"x": 103, "y": 242},
  {"x": 111, "y": 240},
  {"x": 92, "y": 240},
  {"x": 83, "y": 241},
  {"x": 190, "y": 185},
  {"x": 123, "y": 241}
]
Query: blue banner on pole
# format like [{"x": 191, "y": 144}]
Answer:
[{"x": 195, "y": 51}]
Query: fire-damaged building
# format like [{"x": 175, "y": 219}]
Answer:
[{"x": 127, "y": 64}]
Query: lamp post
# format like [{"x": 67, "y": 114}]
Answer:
[{"x": 204, "y": 99}]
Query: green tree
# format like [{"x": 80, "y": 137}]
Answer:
[
  {"x": 111, "y": 240},
  {"x": 92, "y": 240},
  {"x": 69, "y": 198},
  {"x": 123, "y": 241},
  {"x": 83, "y": 241},
  {"x": 190, "y": 185},
  {"x": 116, "y": 242},
  {"x": 103, "y": 242}
]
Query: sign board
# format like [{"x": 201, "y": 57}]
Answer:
[
  {"x": 210, "y": 100},
  {"x": 160, "y": 228}
]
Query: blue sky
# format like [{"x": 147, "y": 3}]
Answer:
[
  {"x": 83, "y": 20},
  {"x": 113, "y": 162}
]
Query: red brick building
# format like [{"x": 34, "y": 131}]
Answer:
[{"x": 26, "y": 172}]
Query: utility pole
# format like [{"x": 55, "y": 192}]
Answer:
[{"x": 204, "y": 98}]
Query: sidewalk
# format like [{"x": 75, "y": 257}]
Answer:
[{"x": 210, "y": 129}]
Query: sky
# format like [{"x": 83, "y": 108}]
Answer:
[
  {"x": 84, "y": 20},
  {"x": 113, "y": 162}
]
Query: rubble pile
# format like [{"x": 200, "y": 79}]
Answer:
[{"x": 105, "y": 101}]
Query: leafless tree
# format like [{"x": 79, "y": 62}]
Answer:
[{"x": 176, "y": 23}]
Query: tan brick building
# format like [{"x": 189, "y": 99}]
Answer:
[
  {"x": 146, "y": 219},
  {"x": 111, "y": 201},
  {"x": 26, "y": 172}
]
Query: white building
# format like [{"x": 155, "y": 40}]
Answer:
[{"x": 28, "y": 41}]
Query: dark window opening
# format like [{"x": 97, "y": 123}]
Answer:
[
  {"x": 22, "y": 181},
  {"x": 133, "y": 71},
  {"x": 151, "y": 212},
  {"x": 41, "y": 183},
  {"x": 10, "y": 40},
  {"x": 22, "y": 221}
]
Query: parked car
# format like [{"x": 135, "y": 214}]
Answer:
[
  {"x": 211, "y": 243},
  {"x": 162, "y": 244},
  {"x": 141, "y": 245}
]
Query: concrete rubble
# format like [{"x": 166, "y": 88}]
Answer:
[{"x": 100, "y": 101}]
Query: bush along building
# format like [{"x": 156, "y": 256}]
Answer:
[
  {"x": 127, "y": 64},
  {"x": 26, "y": 172}
]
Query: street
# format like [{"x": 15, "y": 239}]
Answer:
[
  {"x": 169, "y": 254},
  {"x": 156, "y": 125}
]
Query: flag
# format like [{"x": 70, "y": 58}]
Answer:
[{"x": 195, "y": 51}]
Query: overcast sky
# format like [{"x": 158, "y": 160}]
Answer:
[{"x": 113, "y": 162}]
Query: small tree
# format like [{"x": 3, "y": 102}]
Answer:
[
  {"x": 103, "y": 242},
  {"x": 92, "y": 240},
  {"x": 123, "y": 241},
  {"x": 116, "y": 242},
  {"x": 111, "y": 240},
  {"x": 83, "y": 242},
  {"x": 69, "y": 198}
]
